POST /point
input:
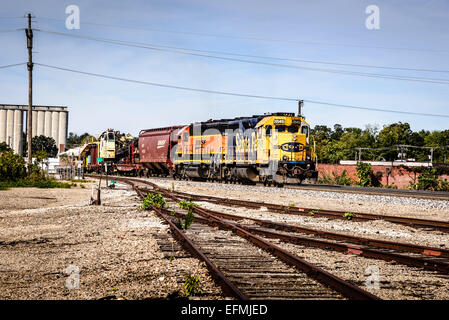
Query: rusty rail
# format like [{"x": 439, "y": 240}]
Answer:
[
  {"x": 227, "y": 285},
  {"x": 322, "y": 276},
  {"x": 441, "y": 266},
  {"x": 347, "y": 289}
]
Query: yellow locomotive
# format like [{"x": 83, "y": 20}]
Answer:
[{"x": 271, "y": 148}]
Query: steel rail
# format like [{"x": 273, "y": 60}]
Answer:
[
  {"x": 400, "y": 246},
  {"x": 227, "y": 285},
  {"x": 347, "y": 289},
  {"x": 363, "y": 251},
  {"x": 419, "y": 194},
  {"x": 406, "y": 247},
  {"x": 333, "y": 214}
]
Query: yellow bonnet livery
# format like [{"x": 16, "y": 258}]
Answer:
[{"x": 272, "y": 148}]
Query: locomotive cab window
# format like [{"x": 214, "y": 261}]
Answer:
[
  {"x": 281, "y": 128},
  {"x": 185, "y": 136},
  {"x": 268, "y": 130},
  {"x": 110, "y": 137},
  {"x": 293, "y": 129},
  {"x": 305, "y": 130}
]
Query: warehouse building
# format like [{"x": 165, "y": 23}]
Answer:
[{"x": 50, "y": 121}]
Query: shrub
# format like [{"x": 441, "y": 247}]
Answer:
[
  {"x": 343, "y": 179},
  {"x": 153, "y": 200},
  {"x": 192, "y": 285},
  {"x": 188, "y": 220},
  {"x": 12, "y": 167},
  {"x": 364, "y": 174},
  {"x": 444, "y": 185},
  {"x": 186, "y": 205},
  {"x": 428, "y": 180}
]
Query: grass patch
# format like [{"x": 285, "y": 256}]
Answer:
[
  {"x": 24, "y": 183},
  {"x": 81, "y": 180}
]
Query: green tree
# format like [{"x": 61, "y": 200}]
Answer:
[
  {"x": 42, "y": 143},
  {"x": 74, "y": 140},
  {"x": 4, "y": 147}
]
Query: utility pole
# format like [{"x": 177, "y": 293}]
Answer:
[
  {"x": 29, "y": 35},
  {"x": 300, "y": 104}
]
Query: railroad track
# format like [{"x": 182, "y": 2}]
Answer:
[
  {"x": 233, "y": 256},
  {"x": 287, "y": 209},
  {"x": 429, "y": 258},
  {"x": 330, "y": 214},
  {"x": 419, "y": 194},
  {"x": 426, "y": 257}
]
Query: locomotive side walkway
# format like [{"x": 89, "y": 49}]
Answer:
[{"x": 115, "y": 246}]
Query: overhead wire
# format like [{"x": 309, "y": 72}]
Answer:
[
  {"x": 252, "y": 38},
  {"x": 12, "y": 65},
  {"x": 239, "y": 94},
  {"x": 269, "y": 57},
  {"x": 336, "y": 71}
]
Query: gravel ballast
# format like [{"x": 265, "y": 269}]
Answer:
[{"x": 47, "y": 236}]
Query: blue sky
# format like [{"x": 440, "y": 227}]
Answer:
[{"x": 420, "y": 28}]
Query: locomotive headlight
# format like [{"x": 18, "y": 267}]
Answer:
[
  {"x": 308, "y": 157},
  {"x": 284, "y": 158}
]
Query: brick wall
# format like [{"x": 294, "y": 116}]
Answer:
[{"x": 398, "y": 176}]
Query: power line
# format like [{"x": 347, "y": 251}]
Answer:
[
  {"x": 260, "y": 57},
  {"x": 12, "y": 65},
  {"x": 253, "y": 38},
  {"x": 239, "y": 94},
  {"x": 12, "y": 17},
  {"x": 335, "y": 71},
  {"x": 12, "y": 30}
]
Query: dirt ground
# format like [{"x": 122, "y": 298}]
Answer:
[{"x": 54, "y": 245}]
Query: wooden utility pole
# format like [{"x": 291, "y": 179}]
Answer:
[{"x": 29, "y": 35}]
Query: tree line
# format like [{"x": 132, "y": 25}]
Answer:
[{"x": 392, "y": 142}]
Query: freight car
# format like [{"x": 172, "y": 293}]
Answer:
[
  {"x": 272, "y": 148},
  {"x": 89, "y": 156},
  {"x": 155, "y": 149}
]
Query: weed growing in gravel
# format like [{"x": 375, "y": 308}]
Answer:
[
  {"x": 187, "y": 205},
  {"x": 192, "y": 285},
  {"x": 188, "y": 220},
  {"x": 349, "y": 215},
  {"x": 312, "y": 213},
  {"x": 154, "y": 200}
]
